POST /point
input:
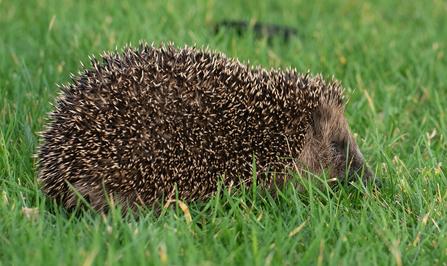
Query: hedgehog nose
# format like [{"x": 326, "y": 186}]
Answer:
[{"x": 377, "y": 182}]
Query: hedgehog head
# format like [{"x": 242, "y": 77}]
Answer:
[{"x": 331, "y": 145}]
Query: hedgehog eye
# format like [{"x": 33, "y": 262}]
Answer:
[{"x": 335, "y": 149}]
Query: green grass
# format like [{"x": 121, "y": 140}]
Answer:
[{"x": 392, "y": 52}]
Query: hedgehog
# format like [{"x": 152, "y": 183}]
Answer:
[{"x": 151, "y": 124}]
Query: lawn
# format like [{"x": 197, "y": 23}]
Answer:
[{"x": 392, "y": 53}]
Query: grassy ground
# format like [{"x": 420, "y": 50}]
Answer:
[{"x": 391, "y": 52}]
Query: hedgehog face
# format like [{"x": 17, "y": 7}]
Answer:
[{"x": 330, "y": 145}]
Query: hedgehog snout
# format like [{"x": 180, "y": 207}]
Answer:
[
  {"x": 367, "y": 176},
  {"x": 373, "y": 180},
  {"x": 376, "y": 182}
]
